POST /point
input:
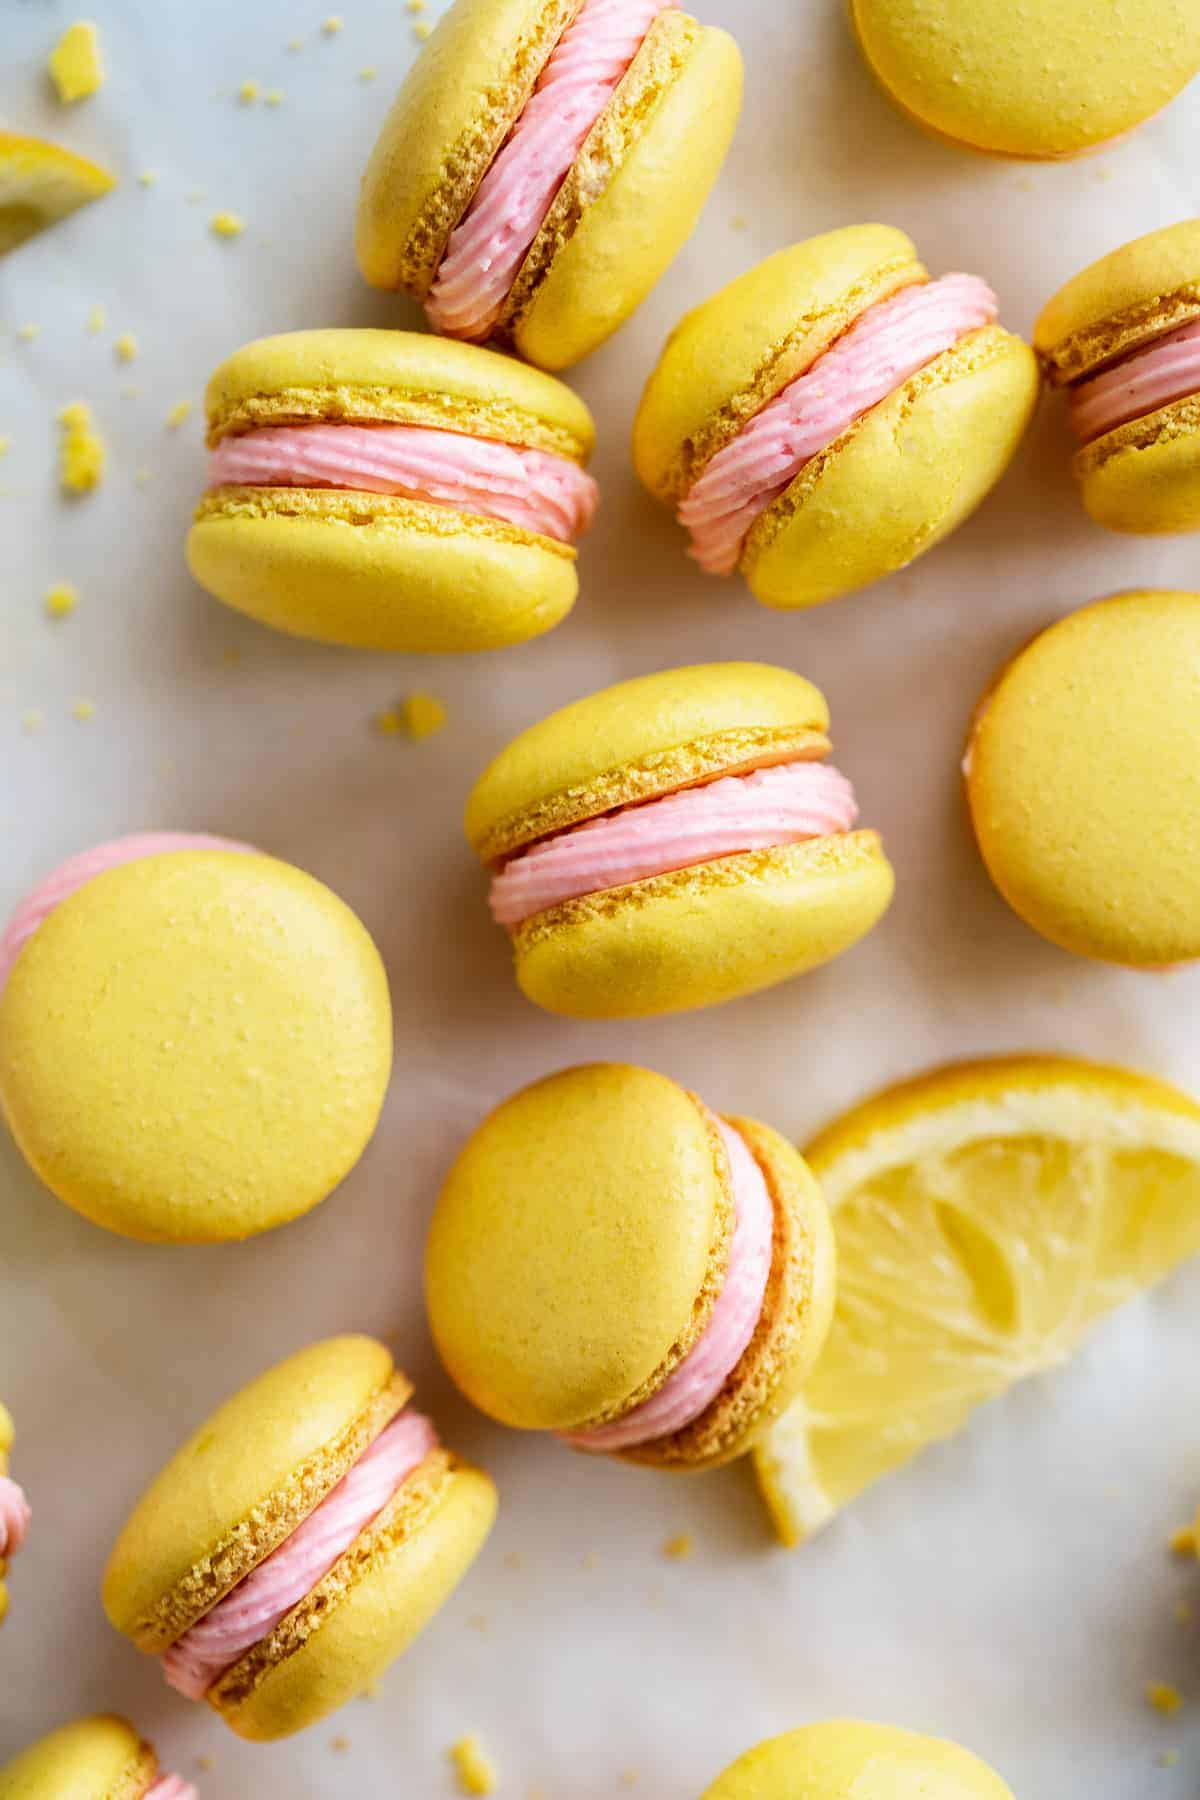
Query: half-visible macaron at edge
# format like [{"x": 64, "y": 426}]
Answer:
[
  {"x": 1122, "y": 339},
  {"x": 392, "y": 491},
  {"x": 832, "y": 414},
  {"x": 98, "y": 1758},
  {"x": 674, "y": 842},
  {"x": 15, "y": 1512},
  {"x": 298, "y": 1542},
  {"x": 690, "y": 1259},
  {"x": 844, "y": 1759},
  {"x": 195, "y": 1039},
  {"x": 544, "y": 163}
]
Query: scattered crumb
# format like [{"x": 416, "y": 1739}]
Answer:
[
  {"x": 1183, "y": 1542},
  {"x": 178, "y": 414},
  {"x": 273, "y": 97},
  {"x": 226, "y": 225},
  {"x": 677, "y": 1549},
  {"x": 204, "y": 1764},
  {"x": 1167, "y": 1759},
  {"x": 339, "y": 1743},
  {"x": 27, "y": 333},
  {"x": 83, "y": 710},
  {"x": 369, "y": 73},
  {"x": 1183, "y": 1612},
  {"x": 1164, "y": 1698},
  {"x": 142, "y": 476},
  {"x": 417, "y": 6},
  {"x": 295, "y": 44},
  {"x": 81, "y": 450},
  {"x": 476, "y": 1774},
  {"x": 148, "y": 177},
  {"x": 590, "y": 1561},
  {"x": 480, "y": 1622},
  {"x": 332, "y": 25},
  {"x": 417, "y": 717},
  {"x": 74, "y": 64},
  {"x": 512, "y": 1560},
  {"x": 628, "y": 1779},
  {"x": 61, "y": 601},
  {"x": 126, "y": 347},
  {"x": 4, "y": 446},
  {"x": 95, "y": 322},
  {"x": 739, "y": 222},
  {"x": 422, "y": 30},
  {"x": 31, "y": 720},
  {"x": 248, "y": 92}
]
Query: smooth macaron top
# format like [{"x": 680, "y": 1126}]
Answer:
[
  {"x": 1148, "y": 286},
  {"x": 1083, "y": 775},
  {"x": 1052, "y": 79},
  {"x": 639, "y": 739},
  {"x": 98, "y": 1758},
  {"x": 578, "y": 1245},
  {"x": 846, "y": 1760}
]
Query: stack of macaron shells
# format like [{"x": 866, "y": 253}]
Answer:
[
  {"x": 674, "y": 842},
  {"x": 1122, "y": 339},
  {"x": 691, "y": 1258},
  {"x": 298, "y": 1542},
  {"x": 392, "y": 491},
  {"x": 846, "y": 1759},
  {"x": 15, "y": 1512},
  {"x": 832, "y": 414},
  {"x": 97, "y": 1758},
  {"x": 543, "y": 164}
]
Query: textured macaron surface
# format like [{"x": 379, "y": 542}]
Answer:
[
  {"x": 1121, "y": 301},
  {"x": 845, "y": 1760},
  {"x": 97, "y": 1758}
]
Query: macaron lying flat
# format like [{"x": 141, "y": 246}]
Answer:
[
  {"x": 298, "y": 1542},
  {"x": 832, "y": 414},
  {"x": 543, "y": 165},
  {"x": 386, "y": 490},
  {"x": 674, "y": 842},
  {"x": 15, "y": 1514},
  {"x": 664, "y": 1279},
  {"x": 100, "y": 1758},
  {"x": 1083, "y": 778},
  {"x": 845, "y": 1760},
  {"x": 1054, "y": 79},
  {"x": 195, "y": 1039},
  {"x": 1122, "y": 339}
]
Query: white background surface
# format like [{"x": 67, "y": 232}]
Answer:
[{"x": 1012, "y": 1590}]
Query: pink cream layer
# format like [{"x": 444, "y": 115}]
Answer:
[
  {"x": 71, "y": 875},
  {"x": 486, "y": 251},
  {"x": 254, "y": 1608},
  {"x": 890, "y": 342},
  {"x": 534, "y": 489},
  {"x": 699, "y": 1379},
  {"x": 781, "y": 805},
  {"x": 1139, "y": 384},
  {"x": 172, "y": 1787},
  {"x": 15, "y": 1517}
]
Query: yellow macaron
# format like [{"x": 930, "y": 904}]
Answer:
[
  {"x": 391, "y": 491},
  {"x": 509, "y": 213},
  {"x": 98, "y": 1758},
  {"x": 675, "y": 842},
  {"x": 1122, "y": 339},
  {"x": 846, "y": 1760},
  {"x": 335, "y": 1514},
  {"x": 1050, "y": 79},
  {"x": 14, "y": 1508},
  {"x": 664, "y": 1280},
  {"x": 832, "y": 414},
  {"x": 195, "y": 1039},
  {"x": 1083, "y": 777}
]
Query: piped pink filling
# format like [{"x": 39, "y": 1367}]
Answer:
[
  {"x": 15, "y": 1517},
  {"x": 1138, "y": 384},
  {"x": 254, "y": 1608},
  {"x": 71, "y": 875},
  {"x": 484, "y": 255},
  {"x": 890, "y": 342},
  {"x": 534, "y": 489},
  {"x": 699, "y": 1379},
  {"x": 172, "y": 1787},
  {"x": 759, "y": 811}
]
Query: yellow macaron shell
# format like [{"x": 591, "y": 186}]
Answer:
[
  {"x": 195, "y": 1047},
  {"x": 1054, "y": 80},
  {"x": 846, "y": 1760},
  {"x": 98, "y": 1758},
  {"x": 1083, "y": 776}
]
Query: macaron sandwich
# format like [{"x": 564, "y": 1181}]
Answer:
[
  {"x": 664, "y": 1280},
  {"x": 832, "y": 414},
  {"x": 15, "y": 1514},
  {"x": 1122, "y": 340},
  {"x": 387, "y": 490},
  {"x": 674, "y": 842},
  {"x": 298, "y": 1542},
  {"x": 846, "y": 1760},
  {"x": 99, "y": 1758},
  {"x": 195, "y": 1039},
  {"x": 544, "y": 163}
]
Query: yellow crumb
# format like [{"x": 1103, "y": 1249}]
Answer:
[
  {"x": 1183, "y": 1542},
  {"x": 83, "y": 710},
  {"x": 340, "y": 1742},
  {"x": 590, "y": 1561},
  {"x": 74, "y": 64},
  {"x": 81, "y": 450},
  {"x": 422, "y": 30},
  {"x": 126, "y": 347},
  {"x": 476, "y": 1774},
  {"x": 739, "y": 222},
  {"x": 417, "y": 6},
  {"x": 204, "y": 1764},
  {"x": 677, "y": 1549},
  {"x": 417, "y": 717},
  {"x": 226, "y": 225},
  {"x": 512, "y": 1559},
  {"x": 295, "y": 43},
  {"x": 61, "y": 601},
  {"x": 274, "y": 96},
  {"x": 178, "y": 414},
  {"x": 629, "y": 1779},
  {"x": 141, "y": 476},
  {"x": 27, "y": 333},
  {"x": 4, "y": 446},
  {"x": 148, "y": 177},
  {"x": 96, "y": 320},
  {"x": 1167, "y": 1759},
  {"x": 479, "y": 1622},
  {"x": 31, "y": 720},
  {"x": 332, "y": 25},
  {"x": 368, "y": 74},
  {"x": 248, "y": 92},
  {"x": 1183, "y": 1612},
  {"x": 1164, "y": 1698}
]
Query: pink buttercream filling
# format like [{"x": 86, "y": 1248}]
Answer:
[
  {"x": 702, "y": 1374},
  {"x": 71, "y": 875},
  {"x": 890, "y": 342},
  {"x": 15, "y": 1517},
  {"x": 254, "y": 1608},
  {"x": 1138, "y": 384},
  {"x": 172, "y": 1787},
  {"x": 781, "y": 805},
  {"x": 534, "y": 489},
  {"x": 484, "y": 255}
]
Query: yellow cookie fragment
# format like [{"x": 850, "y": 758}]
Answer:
[
  {"x": 226, "y": 225},
  {"x": 420, "y": 716},
  {"x": 40, "y": 184},
  {"x": 178, "y": 414},
  {"x": 248, "y": 92},
  {"x": 75, "y": 66},
  {"x": 125, "y": 348},
  {"x": 1164, "y": 1698},
  {"x": 678, "y": 1549},
  {"x": 475, "y": 1771},
  {"x": 61, "y": 601},
  {"x": 1183, "y": 1542},
  {"x": 81, "y": 450}
]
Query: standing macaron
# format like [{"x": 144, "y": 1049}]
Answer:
[
  {"x": 1122, "y": 339},
  {"x": 1045, "y": 79},
  {"x": 832, "y": 414},
  {"x": 100, "y": 1758},
  {"x": 543, "y": 165},
  {"x": 674, "y": 842},
  {"x": 15, "y": 1514},
  {"x": 195, "y": 1039},
  {"x": 1083, "y": 777},
  {"x": 298, "y": 1542},
  {"x": 846, "y": 1760},
  {"x": 386, "y": 490},
  {"x": 663, "y": 1281}
]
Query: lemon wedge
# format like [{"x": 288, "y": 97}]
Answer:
[
  {"x": 985, "y": 1214},
  {"x": 41, "y": 183}
]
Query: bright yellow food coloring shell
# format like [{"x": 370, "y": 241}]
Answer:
[
  {"x": 97, "y": 1758},
  {"x": 846, "y": 1760}
]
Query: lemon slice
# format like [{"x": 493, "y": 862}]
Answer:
[
  {"x": 39, "y": 184},
  {"x": 985, "y": 1216}
]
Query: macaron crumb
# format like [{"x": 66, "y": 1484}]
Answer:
[
  {"x": 61, "y": 601},
  {"x": 1164, "y": 1698},
  {"x": 204, "y": 1764},
  {"x": 1167, "y": 1759},
  {"x": 480, "y": 1622},
  {"x": 369, "y": 73},
  {"x": 341, "y": 1743},
  {"x": 273, "y": 97},
  {"x": 27, "y": 333},
  {"x": 418, "y": 6},
  {"x": 32, "y": 719},
  {"x": 74, "y": 63},
  {"x": 332, "y": 25},
  {"x": 628, "y": 1778},
  {"x": 513, "y": 1561},
  {"x": 95, "y": 323},
  {"x": 5, "y": 446},
  {"x": 148, "y": 178},
  {"x": 678, "y": 1548},
  {"x": 417, "y": 717},
  {"x": 178, "y": 413},
  {"x": 126, "y": 347},
  {"x": 248, "y": 93},
  {"x": 421, "y": 30},
  {"x": 141, "y": 477},
  {"x": 294, "y": 44},
  {"x": 81, "y": 450},
  {"x": 1184, "y": 1612},
  {"x": 226, "y": 225},
  {"x": 475, "y": 1770},
  {"x": 83, "y": 710},
  {"x": 1183, "y": 1542}
]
